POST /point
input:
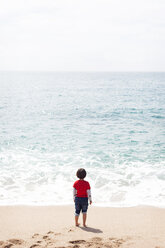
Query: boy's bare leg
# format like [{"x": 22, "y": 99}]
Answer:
[
  {"x": 84, "y": 219},
  {"x": 76, "y": 220}
]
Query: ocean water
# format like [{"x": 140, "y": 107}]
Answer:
[{"x": 111, "y": 124}]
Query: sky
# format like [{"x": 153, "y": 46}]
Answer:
[{"x": 82, "y": 35}]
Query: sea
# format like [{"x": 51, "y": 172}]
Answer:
[{"x": 110, "y": 123}]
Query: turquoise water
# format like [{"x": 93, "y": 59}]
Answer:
[{"x": 112, "y": 124}]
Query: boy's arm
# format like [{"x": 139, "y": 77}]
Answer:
[
  {"x": 89, "y": 195},
  {"x": 74, "y": 193}
]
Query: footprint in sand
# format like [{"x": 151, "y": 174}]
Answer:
[
  {"x": 119, "y": 242},
  {"x": 8, "y": 246},
  {"x": 35, "y": 235},
  {"x": 81, "y": 241},
  {"x": 34, "y": 245},
  {"x": 16, "y": 241},
  {"x": 39, "y": 241},
  {"x": 45, "y": 237},
  {"x": 1, "y": 243}
]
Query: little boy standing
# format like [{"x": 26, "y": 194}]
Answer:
[{"x": 81, "y": 194}]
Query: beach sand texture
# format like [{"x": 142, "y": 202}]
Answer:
[{"x": 53, "y": 226}]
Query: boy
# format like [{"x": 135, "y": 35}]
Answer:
[{"x": 81, "y": 194}]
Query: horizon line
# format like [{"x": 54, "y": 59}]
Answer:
[{"x": 76, "y": 71}]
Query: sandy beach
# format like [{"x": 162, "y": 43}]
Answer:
[{"x": 53, "y": 226}]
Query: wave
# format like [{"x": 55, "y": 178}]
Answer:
[{"x": 43, "y": 178}]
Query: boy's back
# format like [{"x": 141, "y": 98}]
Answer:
[
  {"x": 81, "y": 186},
  {"x": 81, "y": 195}
]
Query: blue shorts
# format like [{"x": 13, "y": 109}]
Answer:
[{"x": 81, "y": 204}]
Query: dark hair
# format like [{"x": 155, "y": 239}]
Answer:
[{"x": 81, "y": 173}]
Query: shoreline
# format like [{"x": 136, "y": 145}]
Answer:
[
  {"x": 72, "y": 204},
  {"x": 53, "y": 226}
]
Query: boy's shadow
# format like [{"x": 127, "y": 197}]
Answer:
[{"x": 91, "y": 229}]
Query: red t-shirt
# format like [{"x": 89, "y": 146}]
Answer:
[{"x": 81, "y": 186}]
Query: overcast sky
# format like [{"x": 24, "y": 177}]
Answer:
[{"x": 82, "y": 35}]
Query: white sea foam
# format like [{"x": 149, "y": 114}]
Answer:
[{"x": 47, "y": 179}]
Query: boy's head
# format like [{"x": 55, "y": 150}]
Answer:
[{"x": 81, "y": 173}]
